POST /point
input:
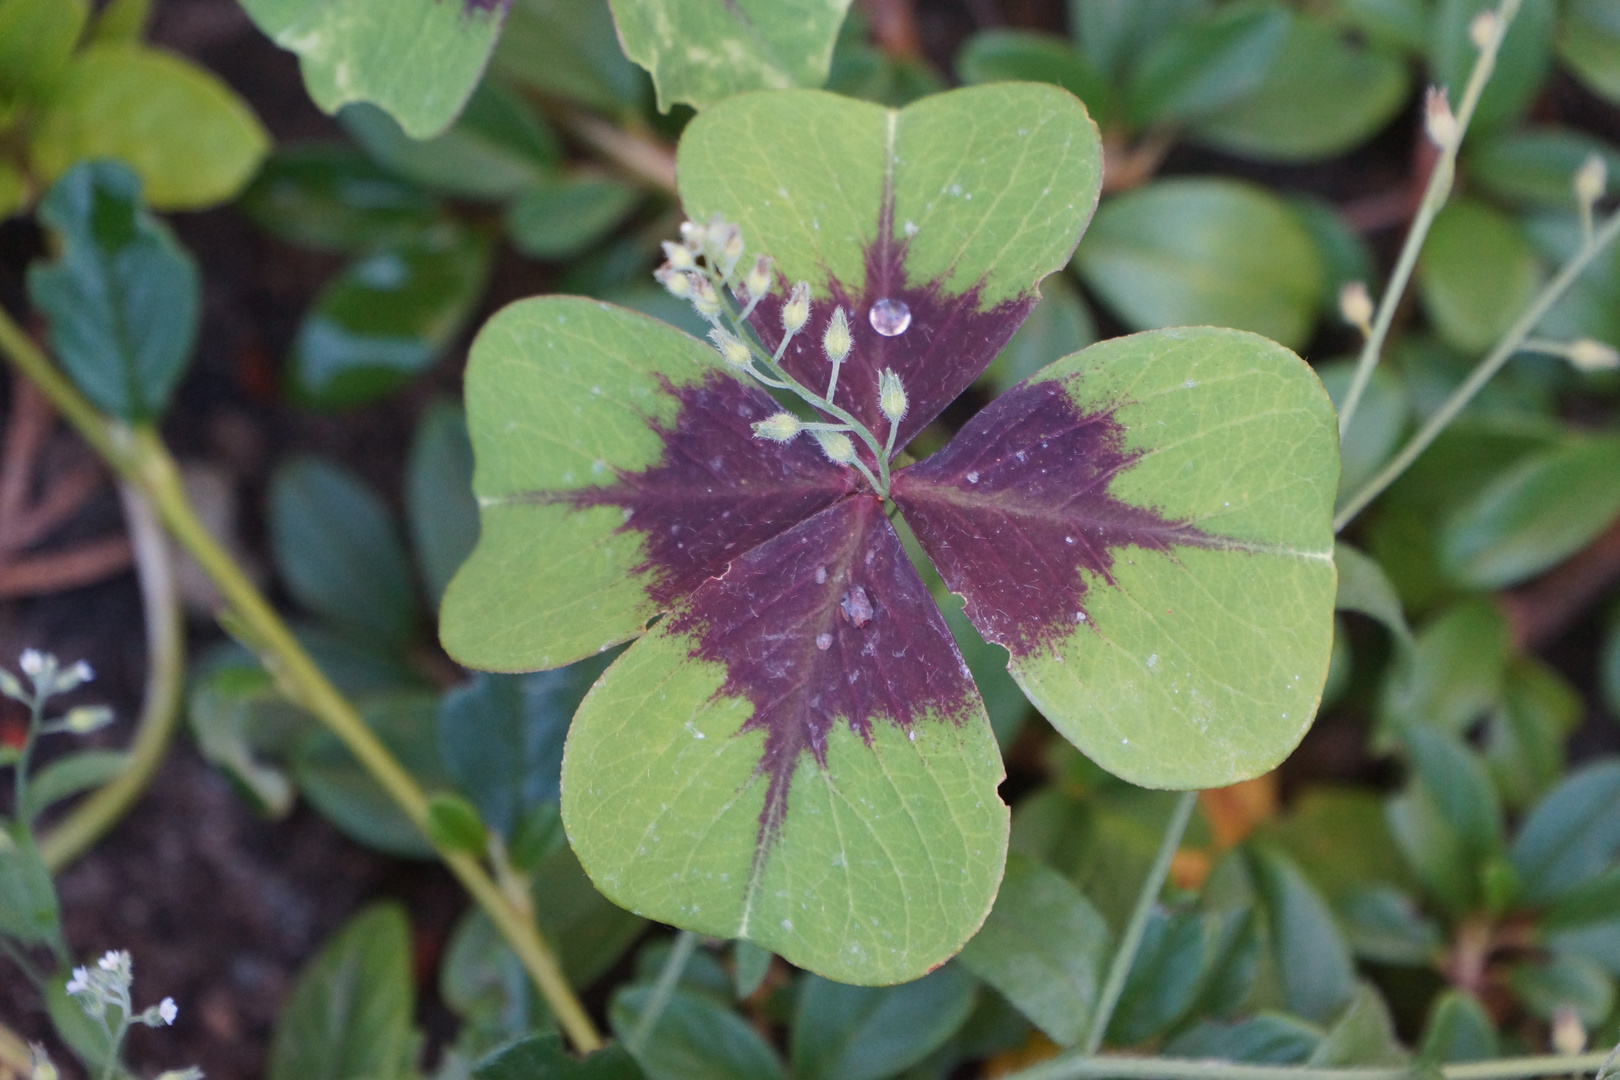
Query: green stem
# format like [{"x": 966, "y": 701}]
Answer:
[
  {"x": 1481, "y": 374},
  {"x": 1435, "y": 195},
  {"x": 19, "y": 787},
  {"x": 138, "y": 455},
  {"x": 165, "y": 682},
  {"x": 662, "y": 990},
  {"x": 1125, "y": 955},
  {"x": 1110, "y": 1067}
]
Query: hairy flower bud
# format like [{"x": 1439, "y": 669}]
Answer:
[
  {"x": 1589, "y": 355},
  {"x": 1356, "y": 306},
  {"x": 782, "y": 427},
  {"x": 733, "y": 349},
  {"x": 1591, "y": 179},
  {"x": 87, "y": 718},
  {"x": 1438, "y": 118},
  {"x": 676, "y": 281},
  {"x": 679, "y": 256},
  {"x": 693, "y": 235},
  {"x": 836, "y": 341},
  {"x": 837, "y": 447},
  {"x": 796, "y": 312},
  {"x": 891, "y": 396},
  {"x": 704, "y": 297},
  {"x": 758, "y": 280},
  {"x": 1482, "y": 28}
]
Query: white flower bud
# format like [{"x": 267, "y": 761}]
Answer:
[
  {"x": 837, "y": 447},
  {"x": 87, "y": 718},
  {"x": 1356, "y": 306},
  {"x": 758, "y": 280},
  {"x": 117, "y": 961},
  {"x": 782, "y": 427},
  {"x": 1589, "y": 356},
  {"x": 679, "y": 256},
  {"x": 32, "y": 662},
  {"x": 678, "y": 282},
  {"x": 693, "y": 235},
  {"x": 704, "y": 297},
  {"x": 168, "y": 1010},
  {"x": 1438, "y": 118},
  {"x": 1482, "y": 28},
  {"x": 1591, "y": 180},
  {"x": 39, "y": 1064},
  {"x": 836, "y": 342},
  {"x": 733, "y": 350},
  {"x": 720, "y": 239},
  {"x": 891, "y": 396},
  {"x": 796, "y": 312},
  {"x": 80, "y": 982},
  {"x": 1568, "y": 1033}
]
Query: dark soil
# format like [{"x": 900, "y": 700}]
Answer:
[{"x": 219, "y": 907}]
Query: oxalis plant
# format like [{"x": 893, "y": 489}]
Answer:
[{"x": 793, "y": 751}]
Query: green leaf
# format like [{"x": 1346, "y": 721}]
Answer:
[
  {"x": 1380, "y": 421},
  {"x": 1535, "y": 515},
  {"x": 1589, "y": 43},
  {"x": 1337, "y": 835},
  {"x": 191, "y": 140},
  {"x": 1524, "y": 743},
  {"x": 1458, "y": 1029},
  {"x": 418, "y": 59},
  {"x": 699, "y": 52},
  {"x": 1595, "y": 901},
  {"x": 28, "y": 907},
  {"x": 1027, "y": 56},
  {"x": 569, "y": 50},
  {"x": 1572, "y": 835},
  {"x": 1364, "y": 588},
  {"x": 501, "y": 737},
  {"x": 1346, "y": 257},
  {"x": 440, "y": 509},
  {"x": 122, "y": 299},
  {"x": 1610, "y": 674},
  {"x": 453, "y": 825},
  {"x": 1535, "y": 166},
  {"x": 388, "y": 317},
  {"x": 330, "y": 197},
  {"x": 1448, "y": 822},
  {"x": 1363, "y": 1034},
  {"x": 36, "y": 39},
  {"x": 1321, "y": 95},
  {"x": 1059, "y": 325},
  {"x": 1204, "y": 251},
  {"x": 558, "y": 219},
  {"x": 349, "y": 1012},
  {"x": 15, "y": 190},
  {"x": 695, "y": 1039},
  {"x": 1521, "y": 65},
  {"x": 1264, "y": 1039},
  {"x": 751, "y": 965},
  {"x": 347, "y": 795},
  {"x": 71, "y": 774},
  {"x": 862, "y": 70},
  {"x": 1175, "y": 668},
  {"x": 338, "y": 551},
  {"x": 1457, "y": 675},
  {"x": 1114, "y": 33},
  {"x": 1591, "y": 307},
  {"x": 122, "y": 20},
  {"x": 542, "y": 1057},
  {"x": 1311, "y": 958},
  {"x": 1384, "y": 925},
  {"x": 1044, "y": 948},
  {"x": 1206, "y": 63},
  {"x": 1402, "y": 24},
  {"x": 1566, "y": 981},
  {"x": 235, "y": 716},
  {"x": 865, "y": 1033},
  {"x": 1476, "y": 275},
  {"x": 497, "y": 149},
  {"x": 1165, "y": 976}
]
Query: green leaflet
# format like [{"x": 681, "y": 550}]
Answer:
[
  {"x": 700, "y": 52},
  {"x": 1204, "y": 665},
  {"x": 418, "y": 59}
]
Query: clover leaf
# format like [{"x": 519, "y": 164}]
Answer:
[{"x": 795, "y": 752}]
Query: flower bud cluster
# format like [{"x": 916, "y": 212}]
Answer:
[
  {"x": 47, "y": 674},
  {"x": 107, "y": 986}
]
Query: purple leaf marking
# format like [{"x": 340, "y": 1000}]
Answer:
[
  {"x": 717, "y": 491},
  {"x": 944, "y": 341},
  {"x": 470, "y": 7},
  {"x": 1017, "y": 509},
  {"x": 827, "y": 623}
]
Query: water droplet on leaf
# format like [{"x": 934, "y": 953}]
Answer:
[{"x": 890, "y": 317}]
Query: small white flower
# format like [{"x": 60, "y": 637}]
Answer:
[
  {"x": 168, "y": 1010},
  {"x": 112, "y": 960},
  {"x": 32, "y": 661},
  {"x": 1590, "y": 180},
  {"x": 80, "y": 981},
  {"x": 83, "y": 672}
]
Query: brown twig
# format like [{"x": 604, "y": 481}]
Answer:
[
  {"x": 25, "y": 521},
  {"x": 1539, "y": 611},
  {"x": 1126, "y": 166},
  {"x": 641, "y": 156}
]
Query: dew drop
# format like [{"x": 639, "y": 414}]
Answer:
[
  {"x": 823, "y": 642},
  {"x": 889, "y": 317},
  {"x": 1068, "y": 539},
  {"x": 821, "y": 575},
  {"x": 973, "y": 477},
  {"x": 1079, "y": 616}
]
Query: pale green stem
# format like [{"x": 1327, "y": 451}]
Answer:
[
  {"x": 1510, "y": 344},
  {"x": 138, "y": 455},
  {"x": 25, "y": 756},
  {"x": 668, "y": 978},
  {"x": 1131, "y": 940},
  {"x": 1434, "y": 197},
  {"x": 1113, "y": 1067},
  {"x": 165, "y": 681}
]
